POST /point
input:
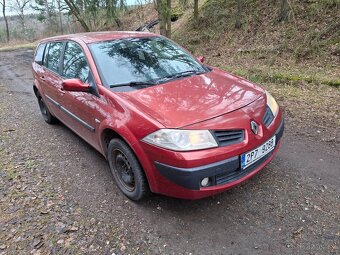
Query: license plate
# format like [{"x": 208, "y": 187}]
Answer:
[{"x": 251, "y": 157}]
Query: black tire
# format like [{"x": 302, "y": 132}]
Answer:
[
  {"x": 48, "y": 117},
  {"x": 126, "y": 170}
]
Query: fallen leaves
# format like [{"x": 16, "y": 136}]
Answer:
[{"x": 298, "y": 231}]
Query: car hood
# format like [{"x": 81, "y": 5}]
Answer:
[{"x": 190, "y": 100}]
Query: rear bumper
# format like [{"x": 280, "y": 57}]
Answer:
[{"x": 223, "y": 174}]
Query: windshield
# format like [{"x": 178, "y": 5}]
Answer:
[{"x": 142, "y": 60}]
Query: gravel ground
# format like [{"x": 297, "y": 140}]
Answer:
[{"x": 57, "y": 195}]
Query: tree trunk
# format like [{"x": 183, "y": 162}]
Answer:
[
  {"x": 168, "y": 19},
  {"x": 48, "y": 13},
  {"x": 111, "y": 13},
  {"x": 75, "y": 11},
  {"x": 60, "y": 14},
  {"x": 23, "y": 23},
  {"x": 164, "y": 15},
  {"x": 109, "y": 8},
  {"x": 5, "y": 18},
  {"x": 284, "y": 11},
  {"x": 238, "y": 22},
  {"x": 117, "y": 20},
  {"x": 196, "y": 11},
  {"x": 162, "y": 22}
]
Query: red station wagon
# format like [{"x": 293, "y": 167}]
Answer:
[{"x": 166, "y": 122}]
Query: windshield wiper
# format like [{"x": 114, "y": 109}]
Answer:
[
  {"x": 134, "y": 83},
  {"x": 187, "y": 73},
  {"x": 180, "y": 75}
]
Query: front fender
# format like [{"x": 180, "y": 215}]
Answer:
[{"x": 127, "y": 135}]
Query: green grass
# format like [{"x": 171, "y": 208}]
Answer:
[
  {"x": 260, "y": 75},
  {"x": 31, "y": 164},
  {"x": 18, "y": 46}
]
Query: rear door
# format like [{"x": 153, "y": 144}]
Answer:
[{"x": 50, "y": 78}]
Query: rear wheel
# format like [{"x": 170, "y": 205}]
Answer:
[
  {"x": 48, "y": 117},
  {"x": 126, "y": 170}
]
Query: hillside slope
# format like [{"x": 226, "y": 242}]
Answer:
[
  {"x": 305, "y": 47},
  {"x": 309, "y": 40}
]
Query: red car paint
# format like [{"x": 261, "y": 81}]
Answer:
[{"x": 215, "y": 100}]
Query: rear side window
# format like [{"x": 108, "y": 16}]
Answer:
[
  {"x": 53, "y": 56},
  {"x": 75, "y": 64},
  {"x": 39, "y": 54}
]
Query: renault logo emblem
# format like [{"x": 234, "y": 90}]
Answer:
[{"x": 254, "y": 127}]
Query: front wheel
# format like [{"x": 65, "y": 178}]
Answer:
[{"x": 126, "y": 170}]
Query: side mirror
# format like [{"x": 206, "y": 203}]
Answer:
[
  {"x": 75, "y": 85},
  {"x": 200, "y": 59}
]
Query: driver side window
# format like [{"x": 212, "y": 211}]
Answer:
[{"x": 75, "y": 64}]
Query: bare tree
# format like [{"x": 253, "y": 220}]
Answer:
[
  {"x": 91, "y": 14},
  {"x": 20, "y": 6},
  {"x": 111, "y": 12},
  {"x": 140, "y": 12},
  {"x": 60, "y": 7},
  {"x": 48, "y": 12},
  {"x": 51, "y": 12},
  {"x": 3, "y": 3},
  {"x": 74, "y": 9}
]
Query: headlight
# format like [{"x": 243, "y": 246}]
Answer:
[
  {"x": 181, "y": 140},
  {"x": 271, "y": 102}
]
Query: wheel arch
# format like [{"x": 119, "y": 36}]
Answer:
[
  {"x": 106, "y": 136},
  {"x": 110, "y": 133}
]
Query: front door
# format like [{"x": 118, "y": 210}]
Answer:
[{"x": 85, "y": 108}]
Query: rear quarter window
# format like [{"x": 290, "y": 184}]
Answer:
[{"x": 39, "y": 54}]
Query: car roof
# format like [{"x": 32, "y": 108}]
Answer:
[{"x": 92, "y": 37}]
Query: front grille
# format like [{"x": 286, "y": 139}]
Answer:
[
  {"x": 227, "y": 137},
  {"x": 267, "y": 117},
  {"x": 235, "y": 173}
]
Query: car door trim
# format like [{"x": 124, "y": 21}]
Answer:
[{"x": 85, "y": 124}]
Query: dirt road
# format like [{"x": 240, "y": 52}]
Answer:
[{"x": 57, "y": 195}]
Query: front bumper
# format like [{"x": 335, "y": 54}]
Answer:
[{"x": 223, "y": 174}]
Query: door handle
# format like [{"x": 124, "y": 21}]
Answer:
[
  {"x": 42, "y": 78},
  {"x": 61, "y": 90}
]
